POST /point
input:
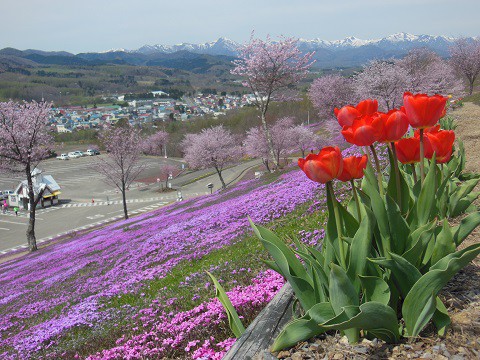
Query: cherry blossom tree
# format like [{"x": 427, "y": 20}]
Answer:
[
  {"x": 330, "y": 92},
  {"x": 255, "y": 145},
  {"x": 269, "y": 68},
  {"x": 384, "y": 81},
  {"x": 282, "y": 138},
  {"x": 121, "y": 165},
  {"x": 304, "y": 139},
  {"x": 156, "y": 144},
  {"x": 465, "y": 58},
  {"x": 214, "y": 147},
  {"x": 428, "y": 73},
  {"x": 24, "y": 142}
]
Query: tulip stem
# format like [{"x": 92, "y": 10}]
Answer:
[
  {"x": 355, "y": 196},
  {"x": 397, "y": 176},
  {"x": 338, "y": 224},
  {"x": 379, "y": 173},
  {"x": 414, "y": 173},
  {"x": 422, "y": 156}
]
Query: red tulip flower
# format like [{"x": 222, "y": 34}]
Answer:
[
  {"x": 424, "y": 111},
  {"x": 353, "y": 168},
  {"x": 367, "y": 107},
  {"x": 324, "y": 166},
  {"x": 392, "y": 125},
  {"x": 441, "y": 143},
  {"x": 362, "y": 132},
  {"x": 347, "y": 114},
  {"x": 408, "y": 150}
]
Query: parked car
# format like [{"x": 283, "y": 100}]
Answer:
[
  {"x": 79, "y": 153},
  {"x": 63, "y": 157},
  {"x": 92, "y": 152},
  {"x": 73, "y": 155}
]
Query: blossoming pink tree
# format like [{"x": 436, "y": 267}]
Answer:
[
  {"x": 24, "y": 142},
  {"x": 256, "y": 146},
  {"x": 330, "y": 92},
  {"x": 428, "y": 73},
  {"x": 384, "y": 81},
  {"x": 465, "y": 57},
  {"x": 121, "y": 165},
  {"x": 214, "y": 147},
  {"x": 303, "y": 139},
  {"x": 269, "y": 68},
  {"x": 156, "y": 144}
]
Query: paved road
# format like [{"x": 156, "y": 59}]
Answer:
[{"x": 77, "y": 212}]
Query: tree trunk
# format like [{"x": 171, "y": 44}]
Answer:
[
  {"x": 269, "y": 141},
  {"x": 265, "y": 162},
  {"x": 470, "y": 89},
  {"x": 124, "y": 199},
  {"x": 219, "y": 172},
  {"x": 32, "y": 241}
]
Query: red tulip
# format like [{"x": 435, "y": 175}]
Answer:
[
  {"x": 367, "y": 107},
  {"x": 408, "y": 150},
  {"x": 441, "y": 143},
  {"x": 324, "y": 166},
  {"x": 423, "y": 111},
  {"x": 362, "y": 132},
  {"x": 392, "y": 125},
  {"x": 353, "y": 168},
  {"x": 347, "y": 114},
  {"x": 426, "y": 141}
]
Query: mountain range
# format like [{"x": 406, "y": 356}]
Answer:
[{"x": 348, "y": 52}]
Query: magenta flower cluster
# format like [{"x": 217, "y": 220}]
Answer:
[{"x": 164, "y": 330}]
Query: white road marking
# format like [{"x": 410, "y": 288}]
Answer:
[
  {"x": 13, "y": 222},
  {"x": 4, "y": 229}
]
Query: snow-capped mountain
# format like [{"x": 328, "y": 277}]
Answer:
[
  {"x": 221, "y": 46},
  {"x": 224, "y": 46}
]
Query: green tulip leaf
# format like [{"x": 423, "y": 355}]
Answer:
[
  {"x": 399, "y": 228},
  {"x": 419, "y": 239},
  {"x": 467, "y": 225},
  {"x": 305, "y": 327},
  {"x": 444, "y": 243},
  {"x": 360, "y": 249},
  {"x": 378, "y": 319},
  {"x": 233, "y": 320},
  {"x": 417, "y": 305},
  {"x": 426, "y": 198},
  {"x": 342, "y": 293},
  {"x": 375, "y": 289}
]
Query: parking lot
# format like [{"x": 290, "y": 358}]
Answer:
[{"x": 80, "y": 184}]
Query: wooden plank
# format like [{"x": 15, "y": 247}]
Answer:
[{"x": 259, "y": 336}]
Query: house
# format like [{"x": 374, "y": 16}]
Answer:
[{"x": 50, "y": 188}]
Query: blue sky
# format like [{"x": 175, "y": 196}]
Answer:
[{"x": 97, "y": 25}]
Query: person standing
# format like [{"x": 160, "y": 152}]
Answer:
[{"x": 16, "y": 210}]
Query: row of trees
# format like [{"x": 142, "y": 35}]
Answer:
[{"x": 421, "y": 71}]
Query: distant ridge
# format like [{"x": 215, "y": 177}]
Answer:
[{"x": 348, "y": 52}]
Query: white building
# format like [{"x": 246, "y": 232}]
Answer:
[{"x": 40, "y": 182}]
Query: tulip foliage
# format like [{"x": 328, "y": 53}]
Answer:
[{"x": 389, "y": 251}]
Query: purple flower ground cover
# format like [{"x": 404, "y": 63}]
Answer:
[{"x": 46, "y": 295}]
